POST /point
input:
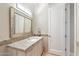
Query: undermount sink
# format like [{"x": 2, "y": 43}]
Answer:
[{"x": 34, "y": 38}]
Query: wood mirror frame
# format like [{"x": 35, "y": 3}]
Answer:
[{"x": 12, "y": 12}]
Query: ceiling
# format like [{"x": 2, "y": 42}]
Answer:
[
  {"x": 32, "y": 6},
  {"x": 28, "y": 5}
]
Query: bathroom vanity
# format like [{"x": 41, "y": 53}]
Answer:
[{"x": 32, "y": 46}]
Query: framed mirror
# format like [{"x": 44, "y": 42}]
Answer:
[{"x": 20, "y": 23}]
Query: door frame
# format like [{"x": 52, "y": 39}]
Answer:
[
  {"x": 75, "y": 28},
  {"x": 67, "y": 35},
  {"x": 68, "y": 41}
]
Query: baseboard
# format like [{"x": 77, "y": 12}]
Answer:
[{"x": 56, "y": 52}]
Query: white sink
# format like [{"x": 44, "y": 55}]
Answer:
[{"x": 34, "y": 38}]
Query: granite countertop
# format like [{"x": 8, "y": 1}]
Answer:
[
  {"x": 25, "y": 44},
  {"x": 13, "y": 39}
]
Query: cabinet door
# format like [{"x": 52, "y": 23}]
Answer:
[
  {"x": 45, "y": 44},
  {"x": 35, "y": 50},
  {"x": 12, "y": 51},
  {"x": 3, "y": 51},
  {"x": 40, "y": 48},
  {"x": 30, "y": 51},
  {"x": 20, "y": 53}
]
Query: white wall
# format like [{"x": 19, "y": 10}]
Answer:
[
  {"x": 40, "y": 20},
  {"x": 4, "y": 20}
]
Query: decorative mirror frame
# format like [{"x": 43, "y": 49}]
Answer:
[{"x": 12, "y": 12}]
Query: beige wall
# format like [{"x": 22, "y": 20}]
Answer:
[
  {"x": 4, "y": 20},
  {"x": 40, "y": 20}
]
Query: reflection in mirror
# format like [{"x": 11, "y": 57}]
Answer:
[
  {"x": 27, "y": 25},
  {"x": 19, "y": 24}
]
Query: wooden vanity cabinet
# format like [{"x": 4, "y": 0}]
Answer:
[{"x": 34, "y": 50}]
